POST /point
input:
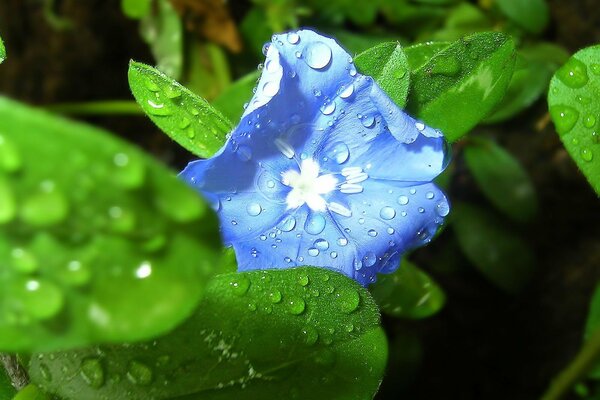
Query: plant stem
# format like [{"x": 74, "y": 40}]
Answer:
[
  {"x": 576, "y": 370},
  {"x": 108, "y": 107}
]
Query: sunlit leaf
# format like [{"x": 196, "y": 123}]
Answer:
[
  {"x": 188, "y": 119},
  {"x": 498, "y": 252},
  {"x": 306, "y": 333},
  {"x": 387, "y": 64},
  {"x": 31, "y": 392},
  {"x": 408, "y": 293},
  {"x": 531, "y": 15},
  {"x": 575, "y": 110},
  {"x": 461, "y": 84},
  {"x": 136, "y": 9},
  {"x": 97, "y": 241},
  {"x": 502, "y": 179},
  {"x": 419, "y": 54},
  {"x": 231, "y": 101}
]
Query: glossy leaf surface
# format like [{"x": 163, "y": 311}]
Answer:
[
  {"x": 97, "y": 241},
  {"x": 303, "y": 333},
  {"x": 502, "y": 179},
  {"x": 576, "y": 112},
  {"x": 387, "y": 64},
  {"x": 188, "y": 119},
  {"x": 461, "y": 84}
]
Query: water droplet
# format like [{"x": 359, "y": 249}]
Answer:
[
  {"x": 310, "y": 335},
  {"x": 403, "y": 200},
  {"x": 158, "y": 109},
  {"x": 10, "y": 158},
  {"x": 275, "y": 296},
  {"x": 564, "y": 117},
  {"x": 253, "y": 209},
  {"x": 317, "y": 55},
  {"x": 420, "y": 126},
  {"x": 589, "y": 121},
  {"x": 573, "y": 73},
  {"x": 315, "y": 224},
  {"x": 372, "y": 232},
  {"x": 390, "y": 231},
  {"x": 421, "y": 210},
  {"x": 586, "y": 154},
  {"x": 368, "y": 121},
  {"x": 92, "y": 372},
  {"x": 369, "y": 259},
  {"x": 46, "y": 207},
  {"x": 76, "y": 273},
  {"x": 296, "y": 305},
  {"x": 288, "y": 224},
  {"x": 244, "y": 153},
  {"x": 583, "y": 99},
  {"x": 321, "y": 244},
  {"x": 139, "y": 373},
  {"x": 293, "y": 38},
  {"x": 303, "y": 280},
  {"x": 347, "y": 91},
  {"x": 313, "y": 252},
  {"x": 239, "y": 284},
  {"x": 442, "y": 208},
  {"x": 339, "y": 152},
  {"x": 446, "y": 65},
  {"x": 348, "y": 300},
  {"x": 342, "y": 241},
  {"x": 595, "y": 69},
  {"x": 387, "y": 213},
  {"x": 121, "y": 220},
  {"x": 328, "y": 108},
  {"x": 429, "y": 195}
]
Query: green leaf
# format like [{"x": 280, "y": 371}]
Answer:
[
  {"x": 419, "y": 54},
  {"x": 308, "y": 333},
  {"x": 461, "y": 84},
  {"x": 408, "y": 293},
  {"x": 502, "y": 179},
  {"x": 575, "y": 110},
  {"x": 356, "y": 43},
  {"x": 188, "y": 119},
  {"x": 31, "y": 392},
  {"x": 2, "y": 51},
  {"x": 534, "y": 67},
  {"x": 162, "y": 29},
  {"x": 7, "y": 391},
  {"x": 387, "y": 64},
  {"x": 498, "y": 252},
  {"x": 97, "y": 241},
  {"x": 462, "y": 20},
  {"x": 592, "y": 325},
  {"x": 531, "y": 15},
  {"x": 231, "y": 101},
  {"x": 136, "y": 9}
]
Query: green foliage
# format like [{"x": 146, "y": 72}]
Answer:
[
  {"x": 2, "y": 51},
  {"x": 136, "y": 9},
  {"x": 592, "y": 325},
  {"x": 531, "y": 15},
  {"x": 188, "y": 119},
  {"x": 388, "y": 65},
  {"x": 419, "y": 54},
  {"x": 499, "y": 253},
  {"x": 575, "y": 110},
  {"x": 408, "y": 293},
  {"x": 502, "y": 179},
  {"x": 31, "y": 392},
  {"x": 111, "y": 248},
  {"x": 231, "y": 101},
  {"x": 462, "y": 20},
  {"x": 6, "y": 389},
  {"x": 303, "y": 332},
  {"x": 461, "y": 84}
]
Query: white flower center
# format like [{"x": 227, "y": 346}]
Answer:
[{"x": 307, "y": 186}]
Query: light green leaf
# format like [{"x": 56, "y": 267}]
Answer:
[
  {"x": 575, "y": 110},
  {"x": 162, "y": 29},
  {"x": 387, "y": 64},
  {"x": 502, "y": 179},
  {"x": 498, "y": 252},
  {"x": 461, "y": 84},
  {"x": 188, "y": 119},
  {"x": 31, "y": 392},
  {"x": 592, "y": 325},
  {"x": 419, "y": 54},
  {"x": 306, "y": 333},
  {"x": 2, "y": 51},
  {"x": 136, "y": 9},
  {"x": 231, "y": 101},
  {"x": 408, "y": 293},
  {"x": 97, "y": 241},
  {"x": 531, "y": 15}
]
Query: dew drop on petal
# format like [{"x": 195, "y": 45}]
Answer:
[
  {"x": 288, "y": 224},
  {"x": 403, "y": 200},
  {"x": 368, "y": 121},
  {"x": 328, "y": 108},
  {"x": 372, "y": 232},
  {"x": 339, "y": 152},
  {"x": 293, "y": 38},
  {"x": 369, "y": 259},
  {"x": 387, "y": 213},
  {"x": 317, "y": 55},
  {"x": 253, "y": 209},
  {"x": 342, "y": 241},
  {"x": 347, "y": 91},
  {"x": 429, "y": 195},
  {"x": 442, "y": 208},
  {"x": 313, "y": 252},
  {"x": 321, "y": 244},
  {"x": 315, "y": 224}
]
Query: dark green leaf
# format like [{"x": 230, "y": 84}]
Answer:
[
  {"x": 592, "y": 325},
  {"x": 499, "y": 253},
  {"x": 163, "y": 31},
  {"x": 31, "y": 392},
  {"x": 231, "y": 101},
  {"x": 502, "y": 179},
  {"x": 459, "y": 86},
  {"x": 254, "y": 29},
  {"x": 408, "y": 293},
  {"x": 305, "y": 333},
  {"x": 387, "y": 64},
  {"x": 413, "y": 19},
  {"x": 2, "y": 51},
  {"x": 97, "y": 241},
  {"x": 531, "y": 15},
  {"x": 575, "y": 110},
  {"x": 188, "y": 119},
  {"x": 7, "y": 391},
  {"x": 136, "y": 9},
  {"x": 418, "y": 55}
]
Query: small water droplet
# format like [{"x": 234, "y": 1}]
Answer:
[
  {"x": 368, "y": 121},
  {"x": 369, "y": 259},
  {"x": 589, "y": 121},
  {"x": 288, "y": 224},
  {"x": 303, "y": 280},
  {"x": 317, "y": 55},
  {"x": 442, "y": 208},
  {"x": 315, "y": 224},
  {"x": 321, "y": 244},
  {"x": 253, "y": 209},
  {"x": 403, "y": 200},
  {"x": 573, "y": 73},
  {"x": 92, "y": 372},
  {"x": 128, "y": 170},
  {"x": 586, "y": 154},
  {"x": 372, "y": 232},
  {"x": 429, "y": 195},
  {"x": 564, "y": 117},
  {"x": 313, "y": 252},
  {"x": 139, "y": 373},
  {"x": 239, "y": 284},
  {"x": 275, "y": 296},
  {"x": 158, "y": 109},
  {"x": 387, "y": 213},
  {"x": 390, "y": 231},
  {"x": 342, "y": 241},
  {"x": 595, "y": 69},
  {"x": 47, "y": 207},
  {"x": 333, "y": 254},
  {"x": 296, "y": 305}
]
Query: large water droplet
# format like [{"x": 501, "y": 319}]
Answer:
[
  {"x": 288, "y": 224},
  {"x": 158, "y": 109},
  {"x": 315, "y": 224},
  {"x": 139, "y": 373},
  {"x": 347, "y": 91},
  {"x": 369, "y": 259},
  {"x": 296, "y": 305},
  {"x": 328, "y": 108},
  {"x": 41, "y": 299},
  {"x": 368, "y": 121},
  {"x": 317, "y": 55},
  {"x": 586, "y": 154},
  {"x": 303, "y": 280},
  {"x": 442, "y": 208},
  {"x": 275, "y": 296},
  {"x": 372, "y": 232},
  {"x": 293, "y": 38},
  {"x": 387, "y": 213},
  {"x": 348, "y": 300},
  {"x": 339, "y": 152},
  {"x": 564, "y": 117},
  {"x": 573, "y": 73},
  {"x": 92, "y": 372},
  {"x": 342, "y": 241},
  {"x": 253, "y": 209},
  {"x": 589, "y": 121},
  {"x": 239, "y": 284},
  {"x": 313, "y": 252}
]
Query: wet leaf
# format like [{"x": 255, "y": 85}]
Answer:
[
  {"x": 31, "y": 392},
  {"x": 461, "y": 84},
  {"x": 387, "y": 64},
  {"x": 531, "y": 15},
  {"x": 136, "y": 9},
  {"x": 98, "y": 242},
  {"x": 7, "y": 391},
  {"x": 306, "y": 333},
  {"x": 419, "y": 54},
  {"x": 408, "y": 293},
  {"x": 231, "y": 101},
  {"x": 498, "y": 252},
  {"x": 163, "y": 31},
  {"x": 574, "y": 108},
  {"x": 188, "y": 119},
  {"x": 502, "y": 179}
]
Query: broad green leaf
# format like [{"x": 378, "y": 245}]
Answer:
[
  {"x": 499, "y": 253},
  {"x": 231, "y": 101},
  {"x": 592, "y": 325},
  {"x": 419, "y": 54},
  {"x": 136, "y": 9},
  {"x": 162, "y": 29},
  {"x": 502, "y": 179},
  {"x": 408, "y": 293},
  {"x": 305, "y": 333},
  {"x": 534, "y": 67},
  {"x": 97, "y": 241},
  {"x": 2, "y": 51},
  {"x": 387, "y": 64},
  {"x": 575, "y": 110},
  {"x": 31, "y": 392},
  {"x": 188, "y": 119},
  {"x": 531, "y": 15},
  {"x": 461, "y": 84}
]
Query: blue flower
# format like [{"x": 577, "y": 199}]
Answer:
[{"x": 323, "y": 168}]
